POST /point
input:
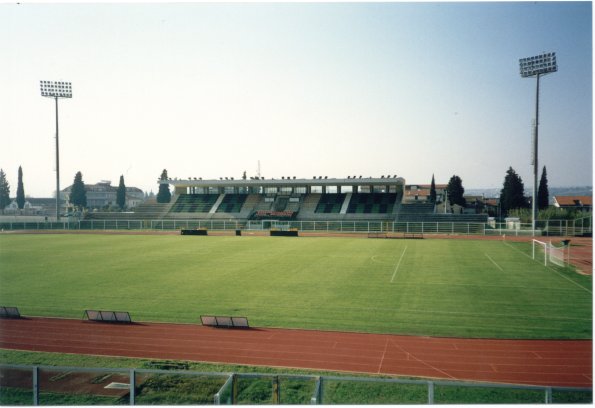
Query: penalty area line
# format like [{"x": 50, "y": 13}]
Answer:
[
  {"x": 398, "y": 264},
  {"x": 494, "y": 262}
]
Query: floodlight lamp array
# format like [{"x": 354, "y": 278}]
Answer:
[
  {"x": 56, "y": 89},
  {"x": 538, "y": 65}
]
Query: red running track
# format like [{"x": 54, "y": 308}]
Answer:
[{"x": 537, "y": 362}]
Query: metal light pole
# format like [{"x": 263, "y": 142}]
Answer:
[
  {"x": 58, "y": 89},
  {"x": 536, "y": 67}
]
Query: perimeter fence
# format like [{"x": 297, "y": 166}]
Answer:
[
  {"x": 578, "y": 227},
  {"x": 50, "y": 385}
]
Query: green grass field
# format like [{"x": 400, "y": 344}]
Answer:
[{"x": 424, "y": 287}]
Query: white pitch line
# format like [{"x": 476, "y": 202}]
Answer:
[
  {"x": 551, "y": 269},
  {"x": 398, "y": 264},
  {"x": 494, "y": 262}
]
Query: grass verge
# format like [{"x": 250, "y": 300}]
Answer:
[{"x": 177, "y": 389}]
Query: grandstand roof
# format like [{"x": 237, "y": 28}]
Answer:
[{"x": 287, "y": 182}]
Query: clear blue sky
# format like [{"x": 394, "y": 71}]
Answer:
[{"x": 207, "y": 90}]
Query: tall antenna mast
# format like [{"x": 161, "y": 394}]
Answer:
[{"x": 258, "y": 170}]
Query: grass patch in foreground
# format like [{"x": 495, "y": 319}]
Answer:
[
  {"x": 177, "y": 389},
  {"x": 20, "y": 397}
]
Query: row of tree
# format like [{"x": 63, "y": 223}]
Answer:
[
  {"x": 5, "y": 191},
  {"x": 78, "y": 195},
  {"x": 512, "y": 195}
]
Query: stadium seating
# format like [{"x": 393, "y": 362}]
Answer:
[
  {"x": 281, "y": 203},
  {"x": 273, "y": 215},
  {"x": 417, "y": 208},
  {"x": 424, "y": 212},
  {"x": 145, "y": 211},
  {"x": 232, "y": 203},
  {"x": 372, "y": 203},
  {"x": 460, "y": 218},
  {"x": 190, "y": 203},
  {"x": 297, "y": 206},
  {"x": 330, "y": 203}
]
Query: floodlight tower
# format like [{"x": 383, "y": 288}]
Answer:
[
  {"x": 536, "y": 67},
  {"x": 56, "y": 89}
]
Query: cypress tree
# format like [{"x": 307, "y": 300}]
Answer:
[
  {"x": 4, "y": 191},
  {"x": 78, "y": 194},
  {"x": 121, "y": 194},
  {"x": 512, "y": 195},
  {"x": 455, "y": 191},
  {"x": 433, "y": 190},
  {"x": 20, "y": 190},
  {"x": 164, "y": 195},
  {"x": 543, "y": 193}
]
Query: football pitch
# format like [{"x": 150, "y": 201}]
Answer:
[{"x": 435, "y": 287}]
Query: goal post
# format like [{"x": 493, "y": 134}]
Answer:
[
  {"x": 540, "y": 251},
  {"x": 547, "y": 252}
]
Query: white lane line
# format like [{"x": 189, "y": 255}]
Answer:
[
  {"x": 494, "y": 262},
  {"x": 421, "y": 361},
  {"x": 383, "y": 354},
  {"x": 398, "y": 264}
]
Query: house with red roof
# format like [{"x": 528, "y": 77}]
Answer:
[{"x": 581, "y": 203}]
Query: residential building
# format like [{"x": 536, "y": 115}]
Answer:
[
  {"x": 581, "y": 203},
  {"x": 421, "y": 192},
  {"x": 103, "y": 194}
]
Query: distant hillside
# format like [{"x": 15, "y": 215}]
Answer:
[{"x": 554, "y": 191}]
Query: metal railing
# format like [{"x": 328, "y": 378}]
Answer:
[
  {"x": 577, "y": 227},
  {"x": 77, "y": 386}
]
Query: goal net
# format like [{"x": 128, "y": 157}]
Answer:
[
  {"x": 557, "y": 255},
  {"x": 546, "y": 252},
  {"x": 540, "y": 250}
]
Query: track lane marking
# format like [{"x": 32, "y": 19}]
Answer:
[
  {"x": 398, "y": 264},
  {"x": 383, "y": 354},
  {"x": 422, "y": 361}
]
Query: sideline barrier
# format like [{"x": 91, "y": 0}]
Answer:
[
  {"x": 194, "y": 232},
  {"x": 395, "y": 235},
  {"x": 108, "y": 316},
  {"x": 280, "y": 233},
  {"x": 579, "y": 227},
  {"x": 225, "y": 321},
  {"x": 9, "y": 312}
]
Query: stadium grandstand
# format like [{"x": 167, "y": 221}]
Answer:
[
  {"x": 288, "y": 198},
  {"x": 292, "y": 199}
]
